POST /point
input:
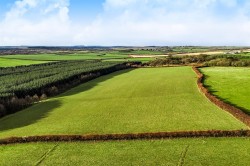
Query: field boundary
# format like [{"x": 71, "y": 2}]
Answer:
[
  {"x": 236, "y": 112},
  {"x": 131, "y": 136}
]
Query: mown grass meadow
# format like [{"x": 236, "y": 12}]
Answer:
[
  {"x": 129, "y": 101},
  {"x": 5, "y": 62},
  {"x": 186, "y": 151},
  {"x": 231, "y": 84}
]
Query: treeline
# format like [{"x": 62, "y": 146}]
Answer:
[
  {"x": 21, "y": 86},
  {"x": 205, "y": 60}
]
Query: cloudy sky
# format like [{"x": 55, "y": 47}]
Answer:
[{"x": 124, "y": 22}]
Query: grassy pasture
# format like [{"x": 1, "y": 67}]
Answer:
[
  {"x": 54, "y": 57},
  {"x": 129, "y": 101},
  {"x": 5, "y": 62},
  {"x": 206, "y": 151},
  {"x": 143, "y": 60},
  {"x": 189, "y": 49},
  {"x": 230, "y": 84},
  {"x": 146, "y": 52}
]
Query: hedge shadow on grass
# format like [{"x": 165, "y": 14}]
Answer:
[
  {"x": 225, "y": 100},
  {"x": 41, "y": 110},
  {"x": 28, "y": 116},
  {"x": 238, "y": 113},
  {"x": 94, "y": 82}
]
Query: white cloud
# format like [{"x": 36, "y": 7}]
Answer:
[
  {"x": 129, "y": 22},
  {"x": 20, "y": 8},
  {"x": 167, "y": 22},
  {"x": 43, "y": 28}
]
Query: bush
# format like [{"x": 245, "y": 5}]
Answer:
[
  {"x": 53, "y": 90},
  {"x": 35, "y": 98},
  {"x": 43, "y": 97},
  {"x": 28, "y": 99},
  {"x": 2, "y": 110}
]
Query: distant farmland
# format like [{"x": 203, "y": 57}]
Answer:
[{"x": 5, "y": 62}]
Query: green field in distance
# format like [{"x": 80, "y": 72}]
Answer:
[{"x": 5, "y": 62}]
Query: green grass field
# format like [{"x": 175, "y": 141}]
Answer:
[
  {"x": 5, "y": 62},
  {"x": 54, "y": 57},
  {"x": 143, "y": 60},
  {"x": 189, "y": 49},
  {"x": 206, "y": 151},
  {"x": 230, "y": 84},
  {"x": 129, "y": 101}
]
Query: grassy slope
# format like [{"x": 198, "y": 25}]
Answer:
[
  {"x": 141, "y": 100},
  {"x": 4, "y": 62},
  {"x": 230, "y": 83},
  {"x": 209, "y": 151}
]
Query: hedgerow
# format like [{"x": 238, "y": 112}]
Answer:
[
  {"x": 236, "y": 112},
  {"x": 130, "y": 136},
  {"x": 205, "y": 60}
]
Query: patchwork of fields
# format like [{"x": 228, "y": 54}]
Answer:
[{"x": 132, "y": 101}]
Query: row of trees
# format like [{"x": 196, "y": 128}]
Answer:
[{"x": 20, "y": 81}]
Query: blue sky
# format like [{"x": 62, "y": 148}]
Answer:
[
  {"x": 124, "y": 22},
  {"x": 85, "y": 9},
  {"x": 79, "y": 9}
]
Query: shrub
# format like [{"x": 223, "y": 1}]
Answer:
[
  {"x": 2, "y": 110},
  {"x": 53, "y": 90},
  {"x": 35, "y": 98},
  {"x": 28, "y": 99},
  {"x": 43, "y": 97}
]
